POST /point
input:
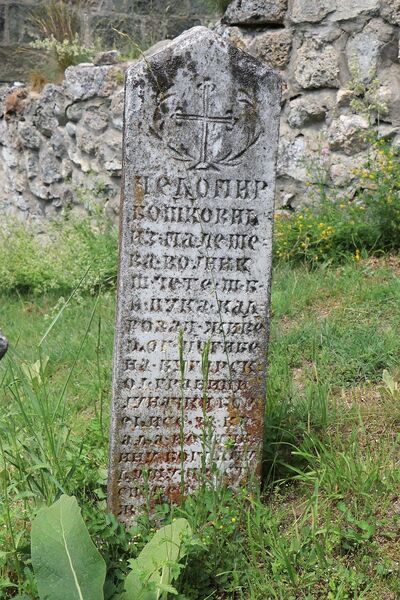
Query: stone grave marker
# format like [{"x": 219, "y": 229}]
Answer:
[{"x": 200, "y": 144}]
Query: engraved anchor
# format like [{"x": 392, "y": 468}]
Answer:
[{"x": 206, "y": 119}]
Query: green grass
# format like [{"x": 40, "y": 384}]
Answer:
[{"x": 326, "y": 524}]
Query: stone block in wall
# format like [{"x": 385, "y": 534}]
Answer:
[
  {"x": 110, "y": 152},
  {"x": 351, "y": 9},
  {"x": 344, "y": 97},
  {"x": 316, "y": 65},
  {"x": 308, "y": 109},
  {"x": 236, "y": 35},
  {"x": 390, "y": 10},
  {"x": 273, "y": 47},
  {"x": 347, "y": 134},
  {"x": 389, "y": 92},
  {"x": 50, "y": 166},
  {"x": 86, "y": 81},
  {"x": 304, "y": 11},
  {"x": 291, "y": 156},
  {"x": 86, "y": 141},
  {"x": 10, "y": 157},
  {"x": 29, "y": 136},
  {"x": 74, "y": 111},
  {"x": 51, "y": 102},
  {"x": 117, "y": 109},
  {"x": 57, "y": 143},
  {"x": 342, "y": 168},
  {"x": 314, "y": 11},
  {"x": 31, "y": 164},
  {"x": 45, "y": 122},
  {"x": 95, "y": 117},
  {"x": 255, "y": 12},
  {"x": 363, "y": 49},
  {"x": 107, "y": 57},
  {"x": 83, "y": 163}
]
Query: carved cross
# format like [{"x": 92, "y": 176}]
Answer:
[{"x": 205, "y": 119}]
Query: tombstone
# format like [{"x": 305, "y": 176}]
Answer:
[
  {"x": 3, "y": 345},
  {"x": 200, "y": 144}
]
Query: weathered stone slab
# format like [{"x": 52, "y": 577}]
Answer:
[
  {"x": 200, "y": 144},
  {"x": 316, "y": 65},
  {"x": 307, "y": 11},
  {"x": 255, "y": 12}
]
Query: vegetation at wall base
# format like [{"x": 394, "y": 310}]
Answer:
[
  {"x": 334, "y": 228},
  {"x": 325, "y": 525},
  {"x": 37, "y": 262}
]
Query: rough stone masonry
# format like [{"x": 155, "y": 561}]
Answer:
[
  {"x": 61, "y": 148},
  {"x": 200, "y": 146}
]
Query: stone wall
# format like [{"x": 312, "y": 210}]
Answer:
[
  {"x": 63, "y": 147},
  {"x": 145, "y": 21},
  {"x": 322, "y": 48}
]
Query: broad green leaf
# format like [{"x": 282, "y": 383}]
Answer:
[
  {"x": 152, "y": 570},
  {"x": 66, "y": 563}
]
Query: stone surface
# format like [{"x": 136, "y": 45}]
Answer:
[
  {"x": 363, "y": 51},
  {"x": 273, "y": 47},
  {"x": 52, "y": 145},
  {"x": 344, "y": 97},
  {"x": 347, "y": 134},
  {"x": 86, "y": 81},
  {"x": 314, "y": 11},
  {"x": 201, "y": 129},
  {"x": 110, "y": 57},
  {"x": 351, "y": 9},
  {"x": 317, "y": 65},
  {"x": 343, "y": 168},
  {"x": 304, "y": 111},
  {"x": 303, "y": 11},
  {"x": 390, "y": 10},
  {"x": 291, "y": 157},
  {"x": 29, "y": 135},
  {"x": 255, "y": 12},
  {"x": 390, "y": 92}
]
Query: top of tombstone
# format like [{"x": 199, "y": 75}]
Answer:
[
  {"x": 199, "y": 76},
  {"x": 191, "y": 42}
]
